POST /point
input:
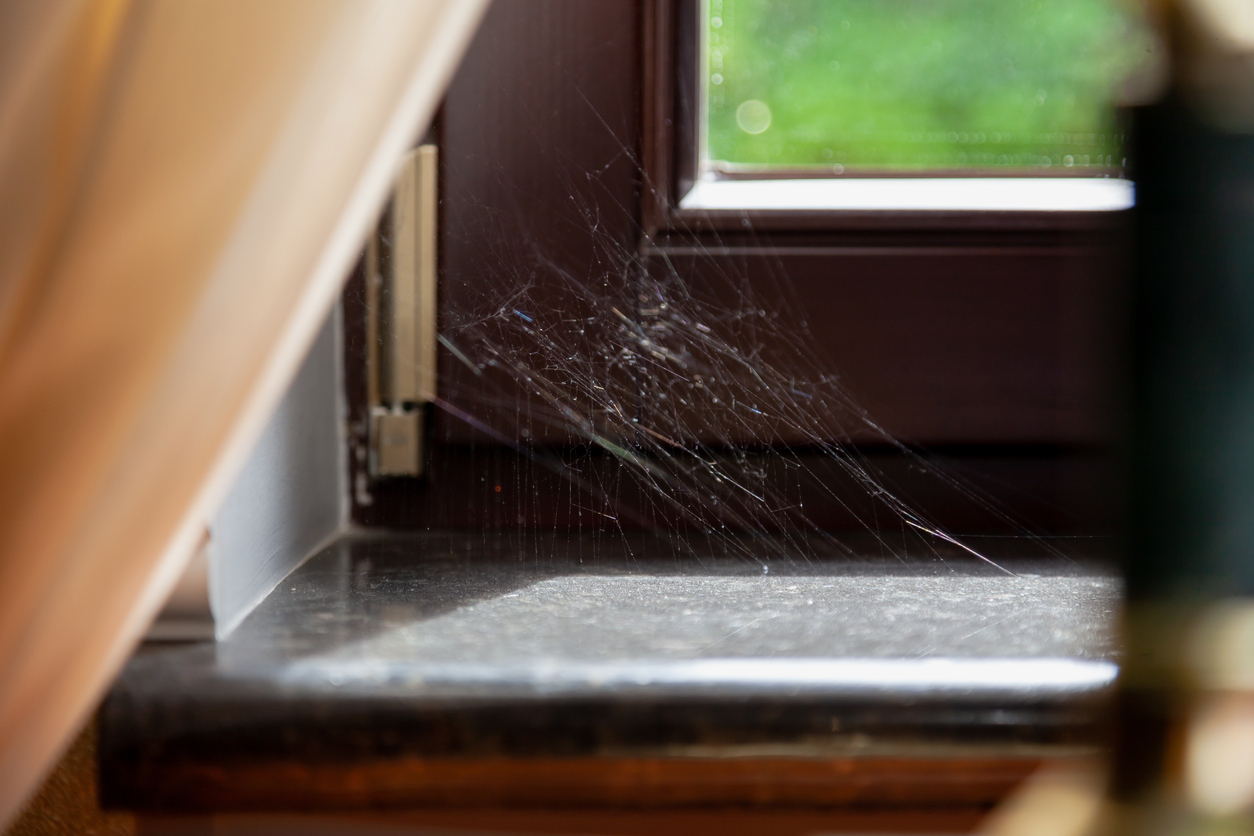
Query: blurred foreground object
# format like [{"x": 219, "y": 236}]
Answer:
[
  {"x": 186, "y": 185},
  {"x": 1184, "y": 753},
  {"x": 1213, "y": 52},
  {"x": 1056, "y": 801}
]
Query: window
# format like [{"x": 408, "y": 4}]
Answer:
[
  {"x": 799, "y": 103},
  {"x": 636, "y": 608},
  {"x": 890, "y": 86}
]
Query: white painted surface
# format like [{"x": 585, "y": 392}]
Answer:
[
  {"x": 290, "y": 496},
  {"x": 989, "y": 194}
]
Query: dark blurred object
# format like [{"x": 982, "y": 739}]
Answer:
[
  {"x": 1192, "y": 387},
  {"x": 1190, "y": 544}
]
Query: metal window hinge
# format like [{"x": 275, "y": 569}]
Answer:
[{"x": 401, "y": 320}]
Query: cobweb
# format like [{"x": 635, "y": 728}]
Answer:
[{"x": 711, "y": 399}]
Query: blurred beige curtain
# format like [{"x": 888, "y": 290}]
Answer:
[{"x": 183, "y": 186}]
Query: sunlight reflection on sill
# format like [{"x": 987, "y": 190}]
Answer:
[
  {"x": 992, "y": 194},
  {"x": 974, "y": 678}
]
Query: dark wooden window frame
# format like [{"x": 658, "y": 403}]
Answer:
[{"x": 975, "y": 362}]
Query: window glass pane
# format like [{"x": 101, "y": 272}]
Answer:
[{"x": 985, "y": 86}]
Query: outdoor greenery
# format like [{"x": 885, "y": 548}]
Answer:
[{"x": 901, "y": 85}]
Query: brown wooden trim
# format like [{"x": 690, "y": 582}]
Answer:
[
  {"x": 1102, "y": 237},
  {"x": 657, "y": 783},
  {"x": 726, "y": 821},
  {"x": 656, "y": 126},
  {"x": 905, "y": 225},
  {"x": 670, "y": 109},
  {"x": 781, "y": 247},
  {"x": 663, "y": 132},
  {"x": 685, "y": 81}
]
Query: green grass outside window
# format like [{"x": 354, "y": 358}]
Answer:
[{"x": 918, "y": 85}]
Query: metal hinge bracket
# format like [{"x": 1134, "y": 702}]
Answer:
[{"x": 401, "y": 320}]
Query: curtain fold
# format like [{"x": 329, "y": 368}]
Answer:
[{"x": 185, "y": 186}]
